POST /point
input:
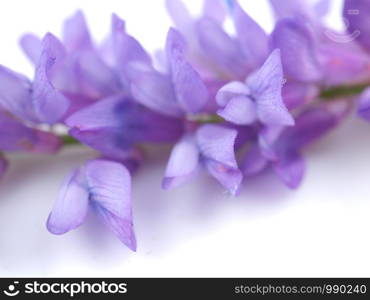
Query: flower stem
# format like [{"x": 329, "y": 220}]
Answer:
[
  {"x": 68, "y": 140},
  {"x": 343, "y": 91}
]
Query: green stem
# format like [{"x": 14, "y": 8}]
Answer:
[
  {"x": 205, "y": 118},
  {"x": 343, "y": 91},
  {"x": 68, "y": 140}
]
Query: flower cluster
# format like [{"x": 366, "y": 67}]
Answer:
[{"x": 231, "y": 103}]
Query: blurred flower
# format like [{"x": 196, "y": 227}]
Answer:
[
  {"x": 39, "y": 101},
  {"x": 113, "y": 126},
  {"x": 286, "y": 148},
  {"x": 357, "y": 13},
  {"x": 216, "y": 54}
]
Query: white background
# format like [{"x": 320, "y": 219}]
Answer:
[{"x": 196, "y": 230}]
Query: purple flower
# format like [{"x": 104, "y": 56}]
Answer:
[
  {"x": 301, "y": 9},
  {"x": 357, "y": 13},
  {"x": 82, "y": 74},
  {"x": 181, "y": 93},
  {"x": 17, "y": 137},
  {"x": 325, "y": 56},
  {"x": 175, "y": 93},
  {"x": 38, "y": 101},
  {"x": 258, "y": 99},
  {"x": 298, "y": 48},
  {"x": 287, "y": 160},
  {"x": 102, "y": 186},
  {"x": 211, "y": 146},
  {"x": 114, "y": 125}
]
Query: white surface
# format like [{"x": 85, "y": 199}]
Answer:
[{"x": 319, "y": 230}]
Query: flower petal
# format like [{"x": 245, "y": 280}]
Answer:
[
  {"x": 254, "y": 162},
  {"x": 231, "y": 90},
  {"x": 298, "y": 52},
  {"x": 221, "y": 50},
  {"x": 15, "y": 94},
  {"x": 97, "y": 79},
  {"x": 101, "y": 114},
  {"x": 109, "y": 185},
  {"x": 322, "y": 8},
  {"x": 292, "y": 8},
  {"x": 239, "y": 110},
  {"x": 182, "y": 163},
  {"x": 126, "y": 49},
  {"x": 215, "y": 10},
  {"x": 155, "y": 91},
  {"x": 266, "y": 88},
  {"x": 190, "y": 90},
  {"x": 344, "y": 64},
  {"x": 311, "y": 125},
  {"x": 216, "y": 144},
  {"x": 180, "y": 15},
  {"x": 76, "y": 35},
  {"x": 16, "y": 137},
  {"x": 230, "y": 178},
  {"x": 49, "y": 104},
  {"x": 32, "y": 47},
  {"x": 113, "y": 125},
  {"x": 290, "y": 168},
  {"x": 267, "y": 138},
  {"x": 254, "y": 41},
  {"x": 296, "y": 94},
  {"x": 70, "y": 209}
]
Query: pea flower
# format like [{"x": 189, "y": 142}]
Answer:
[
  {"x": 38, "y": 101},
  {"x": 15, "y": 136},
  {"x": 216, "y": 54},
  {"x": 258, "y": 99},
  {"x": 113, "y": 126},
  {"x": 101, "y": 186},
  {"x": 82, "y": 74},
  {"x": 212, "y": 146},
  {"x": 287, "y": 160}
]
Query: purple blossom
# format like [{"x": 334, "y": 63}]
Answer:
[
  {"x": 36, "y": 101},
  {"x": 114, "y": 125},
  {"x": 326, "y": 55},
  {"x": 17, "y": 137},
  {"x": 258, "y": 99},
  {"x": 213, "y": 147},
  {"x": 175, "y": 93},
  {"x": 102, "y": 186},
  {"x": 287, "y": 160},
  {"x": 212, "y": 51}
]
